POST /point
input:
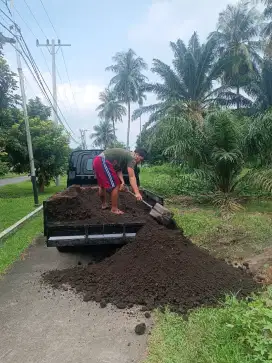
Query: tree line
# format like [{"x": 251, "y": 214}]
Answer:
[{"x": 213, "y": 102}]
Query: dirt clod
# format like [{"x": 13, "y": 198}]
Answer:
[
  {"x": 121, "y": 305},
  {"x": 140, "y": 329},
  {"x": 103, "y": 304},
  {"x": 147, "y": 315},
  {"x": 161, "y": 267}
]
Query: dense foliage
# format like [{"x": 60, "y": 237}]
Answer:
[
  {"x": 50, "y": 144},
  {"x": 50, "y": 149}
]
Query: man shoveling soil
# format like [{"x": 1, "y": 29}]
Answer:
[{"x": 108, "y": 168}]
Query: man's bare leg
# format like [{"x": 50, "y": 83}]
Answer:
[
  {"x": 103, "y": 197},
  {"x": 114, "y": 201}
]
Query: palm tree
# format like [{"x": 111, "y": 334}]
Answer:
[
  {"x": 217, "y": 152},
  {"x": 103, "y": 134},
  {"x": 188, "y": 86},
  {"x": 267, "y": 30},
  {"x": 128, "y": 79},
  {"x": 141, "y": 98},
  {"x": 110, "y": 108},
  {"x": 237, "y": 47},
  {"x": 260, "y": 88}
]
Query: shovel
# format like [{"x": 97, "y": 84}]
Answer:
[{"x": 161, "y": 214}]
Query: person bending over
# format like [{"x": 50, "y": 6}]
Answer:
[{"x": 108, "y": 168}]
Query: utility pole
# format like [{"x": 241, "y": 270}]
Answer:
[
  {"x": 28, "y": 135},
  {"x": 53, "y": 50},
  {"x": 83, "y": 138}
]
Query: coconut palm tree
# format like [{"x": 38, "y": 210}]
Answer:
[
  {"x": 260, "y": 88},
  {"x": 267, "y": 29},
  {"x": 110, "y": 108},
  {"x": 141, "y": 98},
  {"x": 128, "y": 78},
  {"x": 103, "y": 135},
  {"x": 187, "y": 87},
  {"x": 237, "y": 47}
]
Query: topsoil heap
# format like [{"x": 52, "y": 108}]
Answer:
[{"x": 158, "y": 267}]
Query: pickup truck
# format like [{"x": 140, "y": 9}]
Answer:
[{"x": 82, "y": 233}]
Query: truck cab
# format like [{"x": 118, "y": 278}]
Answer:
[{"x": 80, "y": 168}]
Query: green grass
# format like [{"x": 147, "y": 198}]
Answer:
[
  {"x": 203, "y": 339},
  {"x": 237, "y": 332},
  {"x": 13, "y": 247},
  {"x": 241, "y": 234},
  {"x": 168, "y": 180},
  {"x": 16, "y": 201}
]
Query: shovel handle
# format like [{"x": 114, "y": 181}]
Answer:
[{"x": 150, "y": 206}]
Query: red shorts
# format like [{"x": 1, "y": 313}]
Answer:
[{"x": 106, "y": 175}]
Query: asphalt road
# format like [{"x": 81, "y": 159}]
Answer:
[
  {"x": 19, "y": 179},
  {"x": 46, "y": 326}
]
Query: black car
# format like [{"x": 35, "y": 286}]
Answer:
[{"x": 80, "y": 169}]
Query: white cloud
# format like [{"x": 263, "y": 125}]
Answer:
[
  {"x": 167, "y": 20},
  {"x": 80, "y": 96},
  {"x": 86, "y": 95}
]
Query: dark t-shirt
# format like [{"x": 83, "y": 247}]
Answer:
[{"x": 120, "y": 158}]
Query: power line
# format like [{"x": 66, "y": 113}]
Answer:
[
  {"x": 39, "y": 82},
  {"x": 49, "y": 18},
  {"x": 29, "y": 28},
  {"x": 34, "y": 65},
  {"x": 38, "y": 77},
  {"x": 36, "y": 20},
  {"x": 42, "y": 52},
  {"x": 34, "y": 17},
  {"x": 69, "y": 79},
  {"x": 62, "y": 53},
  {"x": 31, "y": 59}
]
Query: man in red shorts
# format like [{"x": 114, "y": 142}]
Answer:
[{"x": 108, "y": 168}]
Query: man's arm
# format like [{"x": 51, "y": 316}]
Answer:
[{"x": 133, "y": 183}]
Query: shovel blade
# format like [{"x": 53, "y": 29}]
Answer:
[{"x": 162, "y": 215}]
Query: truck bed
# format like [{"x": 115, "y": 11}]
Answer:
[{"x": 74, "y": 217}]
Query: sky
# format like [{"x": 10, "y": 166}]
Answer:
[{"x": 97, "y": 30}]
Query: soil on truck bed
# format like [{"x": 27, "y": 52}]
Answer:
[
  {"x": 162, "y": 267},
  {"x": 77, "y": 204}
]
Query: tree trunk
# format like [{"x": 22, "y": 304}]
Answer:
[
  {"x": 41, "y": 188},
  {"x": 128, "y": 126},
  {"x": 141, "y": 130},
  {"x": 113, "y": 125},
  {"x": 238, "y": 94}
]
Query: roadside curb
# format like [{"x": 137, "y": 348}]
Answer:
[{"x": 12, "y": 228}]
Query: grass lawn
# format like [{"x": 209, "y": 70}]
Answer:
[
  {"x": 16, "y": 201},
  {"x": 240, "y": 235},
  {"x": 15, "y": 244},
  {"x": 235, "y": 333}
]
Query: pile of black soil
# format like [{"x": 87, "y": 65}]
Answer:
[
  {"x": 160, "y": 268},
  {"x": 78, "y": 204}
]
